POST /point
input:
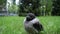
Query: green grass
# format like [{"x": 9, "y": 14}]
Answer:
[{"x": 14, "y": 25}]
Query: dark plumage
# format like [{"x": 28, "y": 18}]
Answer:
[{"x": 32, "y": 25}]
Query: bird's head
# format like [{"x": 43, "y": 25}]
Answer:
[{"x": 30, "y": 16}]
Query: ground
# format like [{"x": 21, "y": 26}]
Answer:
[{"x": 14, "y": 25}]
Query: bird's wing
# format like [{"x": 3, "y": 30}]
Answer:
[{"x": 38, "y": 26}]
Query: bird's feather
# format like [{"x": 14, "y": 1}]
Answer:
[{"x": 38, "y": 26}]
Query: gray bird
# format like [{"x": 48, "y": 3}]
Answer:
[{"x": 32, "y": 24}]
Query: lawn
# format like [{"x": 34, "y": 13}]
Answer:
[{"x": 14, "y": 25}]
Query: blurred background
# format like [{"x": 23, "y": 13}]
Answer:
[
  {"x": 13, "y": 12},
  {"x": 22, "y": 7}
]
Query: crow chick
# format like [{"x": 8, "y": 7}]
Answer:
[{"x": 32, "y": 24}]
